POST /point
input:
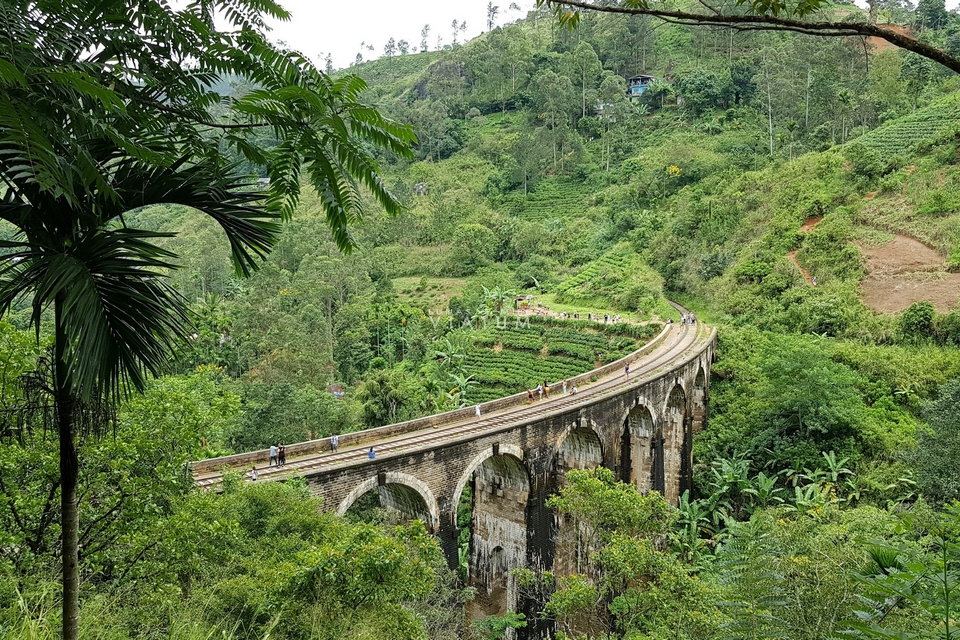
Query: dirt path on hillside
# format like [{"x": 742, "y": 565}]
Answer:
[
  {"x": 806, "y": 227},
  {"x": 792, "y": 257},
  {"x": 903, "y": 271}
]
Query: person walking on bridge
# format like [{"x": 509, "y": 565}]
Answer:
[
  {"x": 334, "y": 442},
  {"x": 281, "y": 455},
  {"x": 273, "y": 455}
]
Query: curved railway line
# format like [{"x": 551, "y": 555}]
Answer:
[{"x": 679, "y": 345}]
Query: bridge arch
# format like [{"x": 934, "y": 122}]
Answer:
[
  {"x": 400, "y": 491},
  {"x": 698, "y": 401},
  {"x": 638, "y": 451},
  {"x": 580, "y": 448},
  {"x": 503, "y": 449},
  {"x": 501, "y": 489},
  {"x": 675, "y": 442}
]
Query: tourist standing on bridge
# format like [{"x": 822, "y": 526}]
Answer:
[
  {"x": 478, "y": 410},
  {"x": 564, "y": 387},
  {"x": 529, "y": 396},
  {"x": 334, "y": 442},
  {"x": 282, "y": 455},
  {"x": 371, "y": 454},
  {"x": 626, "y": 370},
  {"x": 539, "y": 392},
  {"x": 273, "y": 455}
]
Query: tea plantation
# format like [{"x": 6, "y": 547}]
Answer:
[
  {"x": 926, "y": 126},
  {"x": 508, "y": 360}
]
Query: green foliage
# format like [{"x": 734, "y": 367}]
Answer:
[
  {"x": 938, "y": 447},
  {"x": 799, "y": 404},
  {"x": 632, "y": 587},
  {"x": 865, "y": 161},
  {"x": 912, "y": 590},
  {"x": 474, "y": 247},
  {"x": 701, "y": 90},
  {"x": 619, "y": 278},
  {"x": 284, "y": 413},
  {"x": 776, "y": 569},
  {"x": 916, "y": 322},
  {"x": 262, "y": 559},
  {"x": 495, "y": 627}
]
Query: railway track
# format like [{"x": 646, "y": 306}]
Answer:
[{"x": 679, "y": 345}]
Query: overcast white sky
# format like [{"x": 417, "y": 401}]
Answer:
[{"x": 338, "y": 27}]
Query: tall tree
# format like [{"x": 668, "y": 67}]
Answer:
[
  {"x": 557, "y": 96},
  {"x": 492, "y": 11},
  {"x": 98, "y": 117},
  {"x": 585, "y": 67},
  {"x": 424, "y": 34}
]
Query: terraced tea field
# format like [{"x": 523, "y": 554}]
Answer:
[
  {"x": 552, "y": 199},
  {"x": 926, "y": 125},
  {"x": 508, "y": 360}
]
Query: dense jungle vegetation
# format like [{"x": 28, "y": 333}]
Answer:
[{"x": 748, "y": 182}]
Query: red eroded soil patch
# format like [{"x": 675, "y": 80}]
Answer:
[
  {"x": 792, "y": 257},
  {"x": 904, "y": 271},
  {"x": 808, "y": 226},
  {"x": 880, "y": 44}
]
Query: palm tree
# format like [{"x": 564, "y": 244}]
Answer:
[
  {"x": 115, "y": 318},
  {"x": 96, "y": 122}
]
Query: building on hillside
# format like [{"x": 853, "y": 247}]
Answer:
[{"x": 637, "y": 85}]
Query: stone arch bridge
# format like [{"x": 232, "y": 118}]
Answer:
[{"x": 514, "y": 456}]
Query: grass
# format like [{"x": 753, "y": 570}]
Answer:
[
  {"x": 434, "y": 293},
  {"x": 870, "y": 236},
  {"x": 924, "y": 209}
]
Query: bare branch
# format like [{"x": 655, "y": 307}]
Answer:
[{"x": 758, "y": 22}]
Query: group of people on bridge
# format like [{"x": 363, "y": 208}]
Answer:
[{"x": 543, "y": 391}]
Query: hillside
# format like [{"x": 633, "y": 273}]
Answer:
[{"x": 799, "y": 194}]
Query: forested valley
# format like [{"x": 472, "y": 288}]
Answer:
[{"x": 801, "y": 194}]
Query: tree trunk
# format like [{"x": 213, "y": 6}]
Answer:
[
  {"x": 69, "y": 472},
  {"x": 769, "y": 111}
]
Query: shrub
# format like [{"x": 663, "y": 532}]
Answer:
[{"x": 916, "y": 322}]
